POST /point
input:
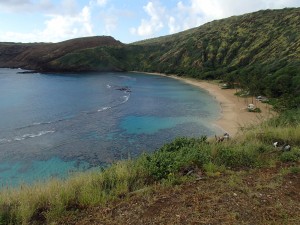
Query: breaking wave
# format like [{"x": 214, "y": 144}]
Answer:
[
  {"x": 26, "y": 136},
  {"x": 103, "y": 109}
]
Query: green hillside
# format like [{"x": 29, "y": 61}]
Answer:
[
  {"x": 266, "y": 39},
  {"x": 260, "y": 51}
]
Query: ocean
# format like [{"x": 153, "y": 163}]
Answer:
[{"x": 52, "y": 125}]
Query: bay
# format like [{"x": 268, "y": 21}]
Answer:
[{"x": 54, "y": 124}]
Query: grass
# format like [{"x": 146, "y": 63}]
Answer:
[{"x": 169, "y": 165}]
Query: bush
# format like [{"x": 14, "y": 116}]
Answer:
[
  {"x": 235, "y": 158},
  {"x": 180, "y": 142},
  {"x": 172, "y": 157},
  {"x": 212, "y": 169},
  {"x": 292, "y": 156},
  {"x": 295, "y": 170}
]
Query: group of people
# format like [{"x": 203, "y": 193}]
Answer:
[{"x": 277, "y": 144}]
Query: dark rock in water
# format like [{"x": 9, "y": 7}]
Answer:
[
  {"x": 126, "y": 89},
  {"x": 27, "y": 71}
]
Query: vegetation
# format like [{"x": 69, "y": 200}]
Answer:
[
  {"x": 170, "y": 164},
  {"x": 259, "y": 52}
]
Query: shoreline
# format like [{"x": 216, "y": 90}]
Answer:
[{"x": 234, "y": 115}]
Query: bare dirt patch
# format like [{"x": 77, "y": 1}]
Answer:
[{"x": 265, "y": 196}]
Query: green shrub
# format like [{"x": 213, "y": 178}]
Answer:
[
  {"x": 291, "y": 156},
  {"x": 295, "y": 170},
  {"x": 256, "y": 110},
  {"x": 180, "y": 142},
  {"x": 287, "y": 118},
  {"x": 182, "y": 152},
  {"x": 235, "y": 158},
  {"x": 212, "y": 169}
]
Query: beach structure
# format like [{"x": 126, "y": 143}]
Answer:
[{"x": 251, "y": 107}]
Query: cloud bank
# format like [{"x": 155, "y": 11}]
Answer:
[
  {"x": 66, "y": 19},
  {"x": 192, "y": 13}
]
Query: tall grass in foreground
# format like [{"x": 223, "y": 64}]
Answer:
[{"x": 47, "y": 202}]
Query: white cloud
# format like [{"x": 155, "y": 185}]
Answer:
[
  {"x": 66, "y": 7},
  {"x": 64, "y": 27},
  {"x": 110, "y": 24},
  {"x": 63, "y": 20},
  {"x": 15, "y": 5},
  {"x": 57, "y": 28},
  {"x": 173, "y": 28},
  {"x": 192, "y": 13},
  {"x": 154, "y": 24},
  {"x": 101, "y": 2},
  {"x": 41, "y": 6},
  {"x": 198, "y": 12},
  {"x": 66, "y": 19}
]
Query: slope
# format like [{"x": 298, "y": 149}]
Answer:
[{"x": 36, "y": 56}]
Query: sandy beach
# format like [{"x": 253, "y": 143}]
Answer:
[{"x": 234, "y": 115}]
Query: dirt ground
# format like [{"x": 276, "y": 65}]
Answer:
[{"x": 265, "y": 196}]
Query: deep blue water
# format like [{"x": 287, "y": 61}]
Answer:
[{"x": 51, "y": 124}]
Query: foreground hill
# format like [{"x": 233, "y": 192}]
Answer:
[
  {"x": 245, "y": 180},
  {"x": 265, "y": 196}
]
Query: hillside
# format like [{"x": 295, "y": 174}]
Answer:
[
  {"x": 38, "y": 56},
  {"x": 237, "y": 198},
  {"x": 270, "y": 37},
  {"x": 259, "y": 51},
  {"x": 266, "y": 41}
]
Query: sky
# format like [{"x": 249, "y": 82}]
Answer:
[{"x": 125, "y": 20}]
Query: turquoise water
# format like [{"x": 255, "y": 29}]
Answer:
[
  {"x": 26, "y": 172},
  {"x": 151, "y": 125},
  {"x": 55, "y": 124}
]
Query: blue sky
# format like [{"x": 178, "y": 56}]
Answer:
[{"x": 125, "y": 20}]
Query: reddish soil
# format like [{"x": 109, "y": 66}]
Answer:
[{"x": 266, "y": 196}]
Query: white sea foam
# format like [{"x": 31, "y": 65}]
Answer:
[
  {"x": 25, "y": 136},
  {"x": 103, "y": 109},
  {"x": 41, "y": 123},
  {"x": 108, "y": 86},
  {"x": 4, "y": 140},
  {"x": 126, "y": 98},
  {"x": 41, "y": 133},
  {"x": 35, "y": 124}
]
